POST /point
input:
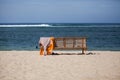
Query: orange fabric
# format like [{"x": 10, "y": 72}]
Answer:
[
  {"x": 49, "y": 48},
  {"x": 41, "y": 51}
]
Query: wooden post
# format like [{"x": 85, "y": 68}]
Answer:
[
  {"x": 73, "y": 42},
  {"x": 83, "y": 45},
  {"x": 64, "y": 42},
  {"x": 83, "y": 51}
]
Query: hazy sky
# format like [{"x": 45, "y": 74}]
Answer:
[{"x": 60, "y": 11}]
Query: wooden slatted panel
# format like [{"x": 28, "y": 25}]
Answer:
[{"x": 70, "y": 43}]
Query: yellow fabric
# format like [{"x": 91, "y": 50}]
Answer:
[{"x": 49, "y": 48}]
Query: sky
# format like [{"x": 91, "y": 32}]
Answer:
[{"x": 59, "y": 11}]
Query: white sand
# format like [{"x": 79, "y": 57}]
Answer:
[{"x": 29, "y": 65}]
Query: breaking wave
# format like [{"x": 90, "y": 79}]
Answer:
[
  {"x": 26, "y": 25},
  {"x": 60, "y": 25}
]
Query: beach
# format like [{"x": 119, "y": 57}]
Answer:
[{"x": 29, "y": 65}]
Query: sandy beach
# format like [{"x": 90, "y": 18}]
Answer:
[{"x": 29, "y": 65}]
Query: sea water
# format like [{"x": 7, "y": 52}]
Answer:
[{"x": 26, "y": 36}]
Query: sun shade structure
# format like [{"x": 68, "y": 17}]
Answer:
[{"x": 47, "y": 44}]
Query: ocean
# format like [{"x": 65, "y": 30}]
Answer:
[{"x": 25, "y": 36}]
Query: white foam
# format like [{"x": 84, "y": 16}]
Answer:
[
  {"x": 44, "y": 25},
  {"x": 27, "y": 25}
]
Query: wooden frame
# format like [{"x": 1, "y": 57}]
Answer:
[{"x": 70, "y": 43}]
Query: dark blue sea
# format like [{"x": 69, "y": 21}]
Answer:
[{"x": 26, "y": 36}]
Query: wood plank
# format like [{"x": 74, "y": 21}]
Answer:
[{"x": 77, "y": 42}]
